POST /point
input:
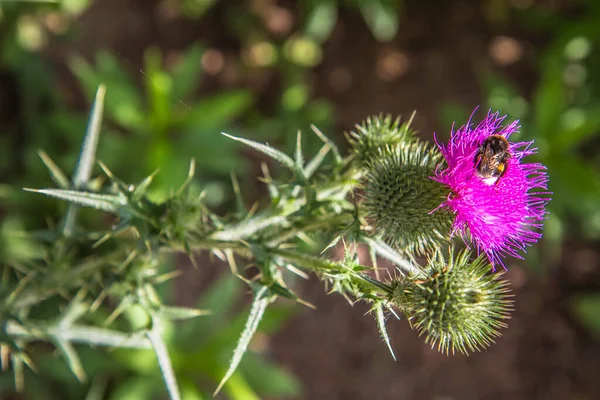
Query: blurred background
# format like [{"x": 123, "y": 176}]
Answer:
[{"x": 179, "y": 72}]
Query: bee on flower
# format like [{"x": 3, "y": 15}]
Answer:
[{"x": 498, "y": 200}]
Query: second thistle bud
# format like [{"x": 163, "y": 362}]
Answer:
[
  {"x": 401, "y": 197},
  {"x": 457, "y": 303},
  {"x": 378, "y": 132}
]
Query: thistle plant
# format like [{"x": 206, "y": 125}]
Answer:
[{"x": 392, "y": 194}]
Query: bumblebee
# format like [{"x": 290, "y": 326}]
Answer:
[{"x": 491, "y": 159}]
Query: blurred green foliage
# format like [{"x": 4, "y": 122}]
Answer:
[{"x": 162, "y": 130}]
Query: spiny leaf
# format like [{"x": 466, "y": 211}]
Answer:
[
  {"x": 267, "y": 150},
  {"x": 185, "y": 185},
  {"x": 231, "y": 261},
  {"x": 273, "y": 191},
  {"x": 55, "y": 172},
  {"x": 18, "y": 371},
  {"x": 239, "y": 199},
  {"x": 381, "y": 325},
  {"x": 104, "y": 202},
  {"x": 336, "y": 151},
  {"x": 73, "y": 361},
  {"x": 123, "y": 187},
  {"x": 98, "y": 388},
  {"x": 142, "y": 187},
  {"x": 259, "y": 305},
  {"x": 164, "y": 361},
  {"x": 80, "y": 334},
  {"x": 248, "y": 227},
  {"x": 315, "y": 163},
  {"x": 299, "y": 158},
  {"x": 83, "y": 172},
  {"x": 87, "y": 156},
  {"x": 178, "y": 313}
]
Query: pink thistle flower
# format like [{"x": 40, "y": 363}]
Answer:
[{"x": 498, "y": 213}]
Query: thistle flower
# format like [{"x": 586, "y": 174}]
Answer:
[
  {"x": 497, "y": 198},
  {"x": 400, "y": 197},
  {"x": 457, "y": 303}
]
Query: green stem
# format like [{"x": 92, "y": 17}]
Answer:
[{"x": 320, "y": 265}]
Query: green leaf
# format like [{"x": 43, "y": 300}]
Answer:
[
  {"x": 87, "y": 156},
  {"x": 98, "y": 388},
  {"x": 124, "y": 103},
  {"x": 164, "y": 361},
  {"x": 73, "y": 361},
  {"x": 237, "y": 388},
  {"x": 180, "y": 313},
  {"x": 218, "y": 110},
  {"x": 90, "y": 335},
  {"x": 190, "y": 390},
  {"x": 259, "y": 305},
  {"x": 218, "y": 299},
  {"x": 268, "y": 379},
  {"x": 104, "y": 202},
  {"x": 298, "y": 157},
  {"x": 135, "y": 388},
  {"x": 336, "y": 151},
  {"x": 240, "y": 204},
  {"x": 248, "y": 227},
  {"x": 187, "y": 73},
  {"x": 56, "y": 173},
  {"x": 269, "y": 151},
  {"x": 315, "y": 163},
  {"x": 158, "y": 88},
  {"x": 550, "y": 101}
]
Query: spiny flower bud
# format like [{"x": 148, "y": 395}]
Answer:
[
  {"x": 378, "y": 132},
  {"x": 182, "y": 215},
  {"x": 458, "y": 304},
  {"x": 401, "y": 199}
]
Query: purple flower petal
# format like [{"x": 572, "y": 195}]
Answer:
[{"x": 500, "y": 217}]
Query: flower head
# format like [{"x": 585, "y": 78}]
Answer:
[
  {"x": 458, "y": 304},
  {"x": 497, "y": 199}
]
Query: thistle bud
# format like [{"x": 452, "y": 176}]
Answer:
[
  {"x": 457, "y": 303},
  {"x": 378, "y": 132},
  {"x": 182, "y": 216},
  {"x": 401, "y": 199}
]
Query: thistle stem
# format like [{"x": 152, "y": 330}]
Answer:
[{"x": 319, "y": 265}]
